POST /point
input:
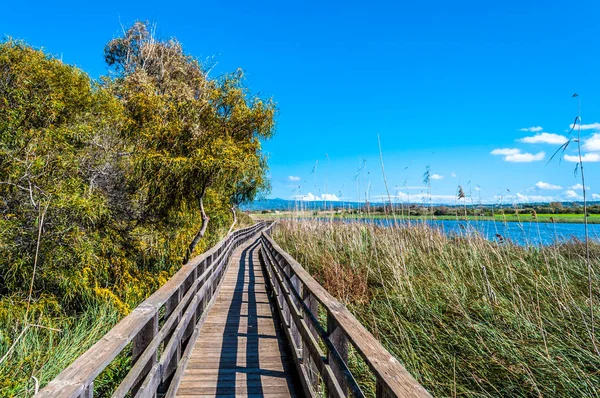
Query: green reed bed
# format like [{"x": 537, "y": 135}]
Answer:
[
  {"x": 48, "y": 345},
  {"x": 466, "y": 316}
]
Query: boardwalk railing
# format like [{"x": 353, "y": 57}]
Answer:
[
  {"x": 298, "y": 298},
  {"x": 159, "y": 332}
]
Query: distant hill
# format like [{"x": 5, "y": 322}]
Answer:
[
  {"x": 279, "y": 204},
  {"x": 286, "y": 204}
]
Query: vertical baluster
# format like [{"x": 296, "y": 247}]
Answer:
[
  {"x": 383, "y": 391},
  {"x": 187, "y": 285},
  {"x": 295, "y": 285},
  {"x": 340, "y": 342},
  {"x": 140, "y": 342},
  {"x": 311, "y": 368},
  {"x": 88, "y": 392},
  {"x": 282, "y": 300},
  {"x": 170, "y": 306}
]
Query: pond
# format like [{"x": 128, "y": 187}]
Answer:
[{"x": 527, "y": 233}]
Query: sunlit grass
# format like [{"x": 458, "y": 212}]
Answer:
[
  {"x": 466, "y": 316},
  {"x": 42, "y": 353}
]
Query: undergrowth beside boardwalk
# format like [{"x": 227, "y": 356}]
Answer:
[{"x": 466, "y": 316}]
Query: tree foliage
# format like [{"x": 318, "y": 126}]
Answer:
[
  {"x": 106, "y": 185},
  {"x": 190, "y": 134}
]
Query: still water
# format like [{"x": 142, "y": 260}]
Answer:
[{"x": 528, "y": 233}]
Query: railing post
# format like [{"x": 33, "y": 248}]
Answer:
[
  {"x": 311, "y": 367},
  {"x": 382, "y": 391},
  {"x": 170, "y": 306},
  {"x": 340, "y": 342},
  {"x": 295, "y": 285},
  {"x": 188, "y": 285},
  {"x": 140, "y": 342},
  {"x": 88, "y": 392},
  {"x": 201, "y": 267}
]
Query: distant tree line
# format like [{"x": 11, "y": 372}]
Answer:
[{"x": 471, "y": 210}]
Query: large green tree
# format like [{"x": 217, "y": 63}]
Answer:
[
  {"x": 189, "y": 134},
  {"x": 104, "y": 186},
  {"x": 58, "y": 139}
]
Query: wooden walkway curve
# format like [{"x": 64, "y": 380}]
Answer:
[{"x": 240, "y": 351}]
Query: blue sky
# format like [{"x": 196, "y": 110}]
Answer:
[{"x": 443, "y": 84}]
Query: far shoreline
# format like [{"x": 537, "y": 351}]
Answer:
[{"x": 567, "y": 218}]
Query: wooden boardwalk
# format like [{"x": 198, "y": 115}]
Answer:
[
  {"x": 241, "y": 351},
  {"x": 243, "y": 319}
]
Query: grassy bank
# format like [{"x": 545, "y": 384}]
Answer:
[
  {"x": 467, "y": 317},
  {"x": 42, "y": 351}
]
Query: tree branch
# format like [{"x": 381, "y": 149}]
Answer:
[{"x": 201, "y": 232}]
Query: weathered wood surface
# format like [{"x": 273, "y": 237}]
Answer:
[{"x": 240, "y": 350}]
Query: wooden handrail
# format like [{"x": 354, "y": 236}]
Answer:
[
  {"x": 186, "y": 298},
  {"x": 298, "y": 296}
]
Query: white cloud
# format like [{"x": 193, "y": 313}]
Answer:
[
  {"x": 588, "y": 157},
  {"x": 595, "y": 196},
  {"x": 309, "y": 197},
  {"x": 520, "y": 198},
  {"x": 505, "y": 151},
  {"x": 532, "y": 129},
  {"x": 437, "y": 177},
  {"x": 545, "y": 138},
  {"x": 592, "y": 144},
  {"x": 591, "y": 126},
  {"x": 453, "y": 175},
  {"x": 546, "y": 185},
  {"x": 579, "y": 186},
  {"x": 330, "y": 197},
  {"x": 293, "y": 178},
  {"x": 572, "y": 194},
  {"x": 419, "y": 198},
  {"x": 525, "y": 157},
  {"x": 515, "y": 155},
  {"x": 410, "y": 187}
]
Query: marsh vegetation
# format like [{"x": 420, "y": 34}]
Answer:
[{"x": 466, "y": 316}]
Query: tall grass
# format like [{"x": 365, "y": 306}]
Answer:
[
  {"x": 37, "y": 344},
  {"x": 42, "y": 353},
  {"x": 466, "y": 316}
]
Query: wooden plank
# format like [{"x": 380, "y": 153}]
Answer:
[
  {"x": 240, "y": 350},
  {"x": 280, "y": 390}
]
